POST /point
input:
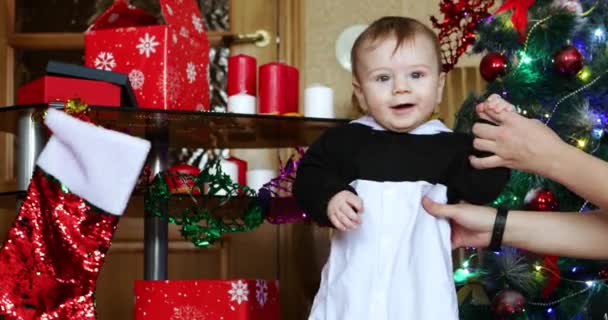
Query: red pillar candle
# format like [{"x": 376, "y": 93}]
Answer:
[
  {"x": 291, "y": 92},
  {"x": 273, "y": 86},
  {"x": 241, "y": 75}
]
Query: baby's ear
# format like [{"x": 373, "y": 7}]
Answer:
[{"x": 357, "y": 99}]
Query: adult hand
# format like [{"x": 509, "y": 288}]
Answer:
[
  {"x": 471, "y": 225},
  {"x": 516, "y": 142}
]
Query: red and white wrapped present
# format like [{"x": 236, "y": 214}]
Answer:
[
  {"x": 239, "y": 299},
  {"x": 167, "y": 63}
]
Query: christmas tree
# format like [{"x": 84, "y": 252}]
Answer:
[{"x": 550, "y": 59}]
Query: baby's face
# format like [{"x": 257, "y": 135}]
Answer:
[{"x": 399, "y": 88}]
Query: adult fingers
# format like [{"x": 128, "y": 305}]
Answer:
[{"x": 487, "y": 162}]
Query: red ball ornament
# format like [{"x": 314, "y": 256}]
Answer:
[
  {"x": 507, "y": 303},
  {"x": 492, "y": 66},
  {"x": 541, "y": 199},
  {"x": 568, "y": 61}
]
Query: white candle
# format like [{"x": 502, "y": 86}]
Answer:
[
  {"x": 241, "y": 103},
  {"x": 319, "y": 102},
  {"x": 229, "y": 168},
  {"x": 256, "y": 178}
]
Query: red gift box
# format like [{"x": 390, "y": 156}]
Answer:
[
  {"x": 167, "y": 64},
  {"x": 239, "y": 299},
  {"x": 49, "y": 89}
]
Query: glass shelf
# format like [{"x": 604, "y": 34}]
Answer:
[
  {"x": 197, "y": 129},
  {"x": 177, "y": 203}
]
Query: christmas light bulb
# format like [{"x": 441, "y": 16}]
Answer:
[
  {"x": 599, "y": 34},
  {"x": 581, "y": 143},
  {"x": 584, "y": 74}
]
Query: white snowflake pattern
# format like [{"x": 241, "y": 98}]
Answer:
[
  {"x": 184, "y": 32},
  {"x": 197, "y": 23},
  {"x": 170, "y": 85},
  {"x": 137, "y": 78},
  {"x": 147, "y": 45},
  {"x": 261, "y": 292},
  {"x": 105, "y": 61},
  {"x": 187, "y": 313},
  {"x": 191, "y": 72},
  {"x": 239, "y": 292},
  {"x": 174, "y": 38},
  {"x": 169, "y": 10}
]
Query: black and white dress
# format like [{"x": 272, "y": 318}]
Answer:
[{"x": 397, "y": 264}]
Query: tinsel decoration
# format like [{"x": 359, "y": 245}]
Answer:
[
  {"x": 285, "y": 211},
  {"x": 457, "y": 30},
  {"x": 203, "y": 218}
]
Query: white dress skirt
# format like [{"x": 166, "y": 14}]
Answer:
[{"x": 396, "y": 265}]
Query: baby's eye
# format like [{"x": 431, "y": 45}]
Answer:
[
  {"x": 383, "y": 78},
  {"x": 417, "y": 75}
]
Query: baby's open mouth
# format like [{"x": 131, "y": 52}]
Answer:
[{"x": 403, "y": 106}]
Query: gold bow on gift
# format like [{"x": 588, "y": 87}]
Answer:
[
  {"x": 74, "y": 107},
  {"x": 476, "y": 290}
]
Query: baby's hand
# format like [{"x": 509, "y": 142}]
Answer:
[
  {"x": 342, "y": 210},
  {"x": 495, "y": 104}
]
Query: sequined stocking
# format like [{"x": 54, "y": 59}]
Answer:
[{"x": 53, "y": 254}]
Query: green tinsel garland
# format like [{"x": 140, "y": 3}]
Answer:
[{"x": 202, "y": 218}]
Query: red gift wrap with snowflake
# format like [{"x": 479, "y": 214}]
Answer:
[
  {"x": 239, "y": 299},
  {"x": 167, "y": 63}
]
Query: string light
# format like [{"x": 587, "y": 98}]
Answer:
[
  {"x": 584, "y": 74},
  {"x": 599, "y": 34},
  {"x": 573, "y": 93},
  {"x": 581, "y": 143},
  {"x": 597, "y": 133}
]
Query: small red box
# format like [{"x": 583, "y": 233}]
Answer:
[
  {"x": 167, "y": 64},
  {"x": 239, "y": 299},
  {"x": 49, "y": 89},
  {"x": 180, "y": 179}
]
